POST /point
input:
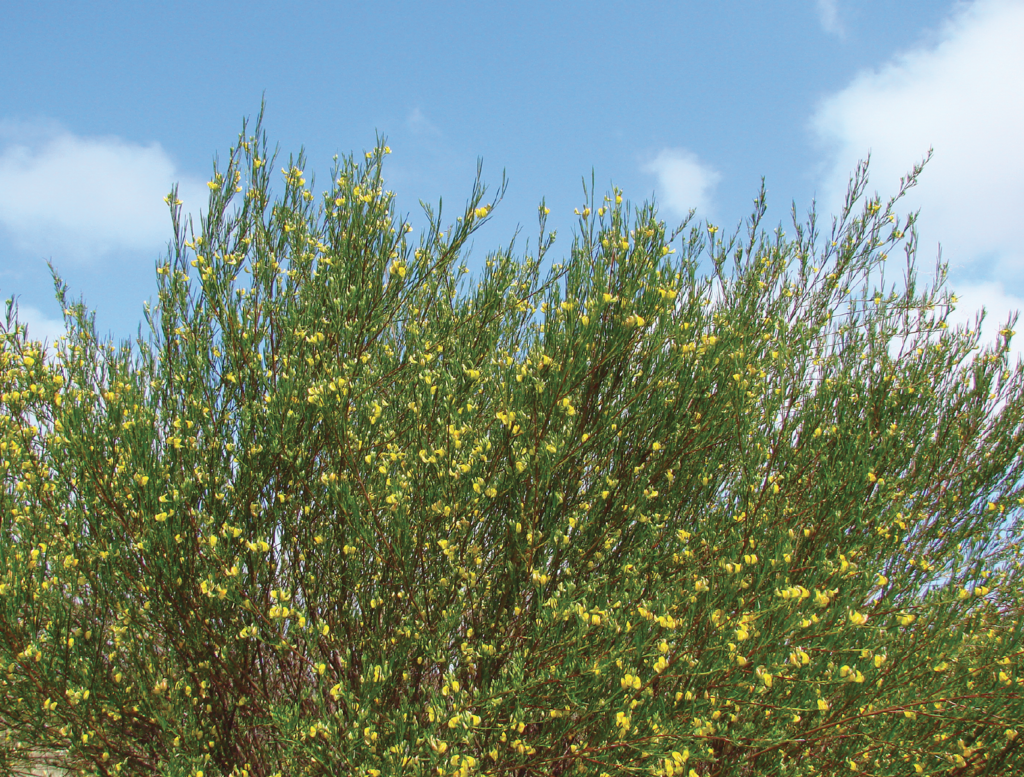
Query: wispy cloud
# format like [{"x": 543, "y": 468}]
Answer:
[
  {"x": 418, "y": 123},
  {"x": 961, "y": 95},
  {"x": 80, "y": 198},
  {"x": 684, "y": 182},
  {"x": 828, "y": 15}
]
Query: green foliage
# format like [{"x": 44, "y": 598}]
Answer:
[{"x": 341, "y": 514}]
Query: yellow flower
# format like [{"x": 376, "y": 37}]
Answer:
[
  {"x": 629, "y": 681},
  {"x": 822, "y": 705},
  {"x": 857, "y": 619}
]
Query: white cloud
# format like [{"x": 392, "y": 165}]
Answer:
[
  {"x": 684, "y": 181},
  {"x": 39, "y": 325},
  {"x": 828, "y": 15},
  {"x": 79, "y": 198},
  {"x": 971, "y": 298},
  {"x": 961, "y": 96},
  {"x": 998, "y": 304}
]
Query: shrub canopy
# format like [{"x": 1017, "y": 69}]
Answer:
[{"x": 341, "y": 513}]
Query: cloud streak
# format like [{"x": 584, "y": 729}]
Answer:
[
  {"x": 81, "y": 198},
  {"x": 418, "y": 124},
  {"x": 828, "y": 16}
]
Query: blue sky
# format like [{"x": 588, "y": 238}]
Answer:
[{"x": 103, "y": 106}]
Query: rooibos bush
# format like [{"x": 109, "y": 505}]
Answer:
[{"x": 340, "y": 514}]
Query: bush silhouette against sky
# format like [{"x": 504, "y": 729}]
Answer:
[{"x": 691, "y": 102}]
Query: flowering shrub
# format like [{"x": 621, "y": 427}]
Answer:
[{"x": 341, "y": 514}]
